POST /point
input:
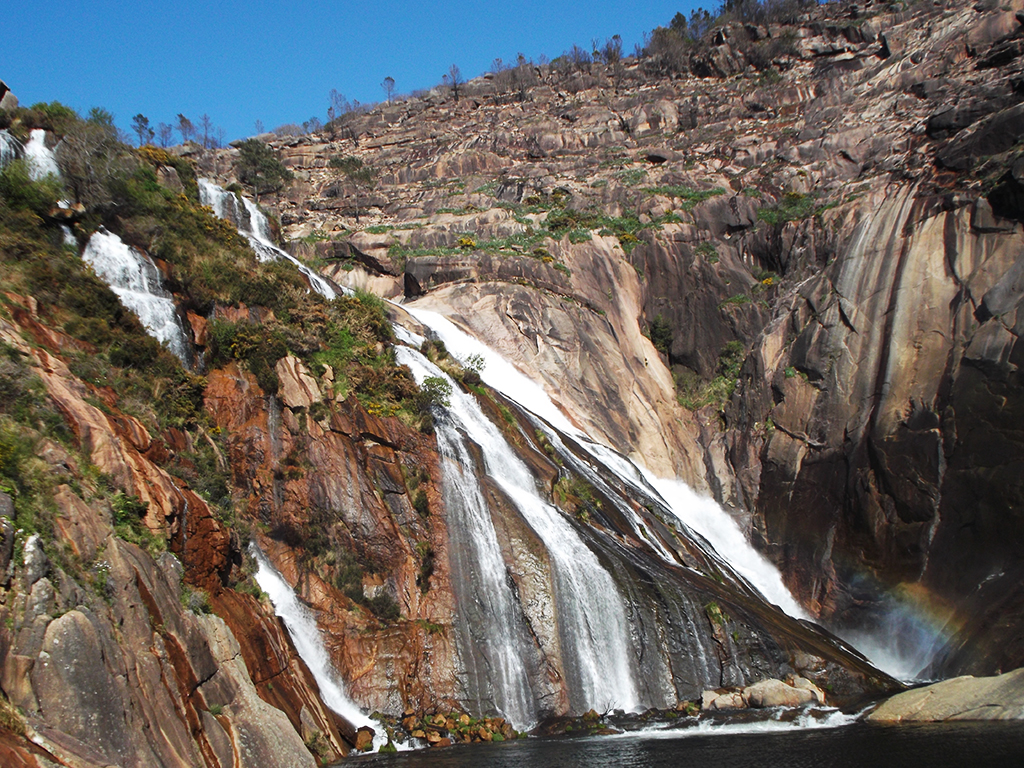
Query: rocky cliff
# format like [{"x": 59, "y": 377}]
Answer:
[{"x": 793, "y": 285}]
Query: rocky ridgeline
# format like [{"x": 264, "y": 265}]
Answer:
[{"x": 793, "y": 286}]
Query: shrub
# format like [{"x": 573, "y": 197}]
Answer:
[
  {"x": 354, "y": 168},
  {"x": 259, "y": 168},
  {"x": 792, "y": 207},
  {"x": 23, "y": 194},
  {"x": 384, "y": 607},
  {"x": 420, "y": 503},
  {"x": 661, "y": 334},
  {"x": 435, "y": 390}
]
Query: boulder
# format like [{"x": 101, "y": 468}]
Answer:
[
  {"x": 806, "y": 685},
  {"x": 37, "y": 564},
  {"x": 721, "y": 700},
  {"x": 8, "y": 101},
  {"x": 962, "y": 698},
  {"x": 775, "y": 693},
  {"x": 364, "y": 739}
]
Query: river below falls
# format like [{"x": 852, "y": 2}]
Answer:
[{"x": 859, "y": 744}]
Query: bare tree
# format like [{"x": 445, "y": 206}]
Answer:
[
  {"x": 140, "y": 124},
  {"x": 207, "y": 126},
  {"x": 453, "y": 79},
  {"x": 389, "y": 87},
  {"x": 258, "y": 127},
  {"x": 164, "y": 133},
  {"x": 185, "y": 128},
  {"x": 219, "y": 141},
  {"x": 313, "y": 125},
  {"x": 338, "y": 101}
]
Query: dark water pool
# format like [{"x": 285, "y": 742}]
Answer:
[{"x": 859, "y": 744}]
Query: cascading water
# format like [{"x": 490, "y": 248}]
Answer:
[
  {"x": 136, "y": 280},
  {"x": 305, "y": 634},
  {"x": 41, "y": 162},
  {"x": 10, "y": 148},
  {"x": 701, "y": 515},
  {"x": 250, "y": 221},
  {"x": 593, "y": 628},
  {"x": 904, "y": 658},
  {"x": 491, "y": 620}
]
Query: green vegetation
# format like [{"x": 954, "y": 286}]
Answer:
[
  {"x": 715, "y": 614},
  {"x": 577, "y": 496},
  {"x": 22, "y": 194},
  {"x": 129, "y": 512},
  {"x": 792, "y": 207},
  {"x": 435, "y": 391},
  {"x": 688, "y": 196},
  {"x": 708, "y": 251},
  {"x": 631, "y": 176},
  {"x": 260, "y": 168},
  {"x": 354, "y": 168},
  {"x": 661, "y": 334},
  {"x": 195, "y": 600},
  {"x": 693, "y": 393}
]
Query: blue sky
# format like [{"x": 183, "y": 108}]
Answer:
[{"x": 276, "y": 61}]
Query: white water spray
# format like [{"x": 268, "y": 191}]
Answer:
[
  {"x": 251, "y": 223},
  {"x": 10, "y": 148},
  {"x": 40, "y": 158},
  {"x": 136, "y": 281},
  {"x": 707, "y": 518},
  {"x": 700, "y": 514},
  {"x": 592, "y": 621},
  {"x": 305, "y": 635}
]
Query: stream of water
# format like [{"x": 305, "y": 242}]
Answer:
[
  {"x": 593, "y": 630},
  {"x": 136, "y": 281},
  {"x": 301, "y": 625},
  {"x": 253, "y": 224},
  {"x": 41, "y": 162}
]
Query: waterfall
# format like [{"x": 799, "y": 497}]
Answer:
[
  {"x": 593, "y": 629},
  {"x": 490, "y": 620},
  {"x": 41, "y": 161},
  {"x": 700, "y": 514},
  {"x": 10, "y": 148},
  {"x": 305, "y": 635},
  {"x": 250, "y": 221},
  {"x": 706, "y": 517},
  {"x": 136, "y": 280}
]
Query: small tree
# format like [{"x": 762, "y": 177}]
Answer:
[
  {"x": 164, "y": 133},
  {"x": 185, "y": 128},
  {"x": 259, "y": 168},
  {"x": 206, "y": 124},
  {"x": 140, "y": 124},
  {"x": 389, "y": 87},
  {"x": 258, "y": 127},
  {"x": 453, "y": 79}
]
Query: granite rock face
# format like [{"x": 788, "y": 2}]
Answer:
[
  {"x": 961, "y": 698},
  {"x": 848, "y": 226}
]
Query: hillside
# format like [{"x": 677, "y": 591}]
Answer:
[
  {"x": 822, "y": 252},
  {"x": 784, "y": 269}
]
